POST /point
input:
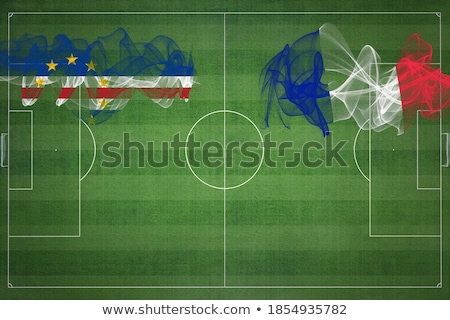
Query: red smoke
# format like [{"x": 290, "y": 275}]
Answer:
[{"x": 422, "y": 87}]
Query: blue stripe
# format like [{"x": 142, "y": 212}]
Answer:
[
  {"x": 112, "y": 55},
  {"x": 292, "y": 80}
]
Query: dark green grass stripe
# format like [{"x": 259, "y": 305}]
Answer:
[
  {"x": 121, "y": 263},
  {"x": 272, "y": 212},
  {"x": 344, "y": 262},
  {"x": 39, "y": 212},
  {"x": 141, "y": 213}
]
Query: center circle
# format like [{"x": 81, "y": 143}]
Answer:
[{"x": 220, "y": 126}]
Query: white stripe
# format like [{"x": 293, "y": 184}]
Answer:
[
  {"x": 370, "y": 95},
  {"x": 141, "y": 82}
]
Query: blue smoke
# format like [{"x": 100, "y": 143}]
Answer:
[
  {"x": 112, "y": 55},
  {"x": 292, "y": 80}
]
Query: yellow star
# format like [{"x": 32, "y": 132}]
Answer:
[
  {"x": 91, "y": 120},
  {"x": 51, "y": 65},
  {"x": 91, "y": 66},
  {"x": 103, "y": 103},
  {"x": 71, "y": 59},
  {"x": 39, "y": 82},
  {"x": 103, "y": 82}
]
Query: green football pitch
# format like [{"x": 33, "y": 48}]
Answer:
[{"x": 372, "y": 223}]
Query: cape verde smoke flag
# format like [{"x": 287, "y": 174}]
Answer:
[{"x": 107, "y": 71}]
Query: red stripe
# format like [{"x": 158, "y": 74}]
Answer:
[
  {"x": 109, "y": 93},
  {"x": 66, "y": 93},
  {"x": 112, "y": 93},
  {"x": 170, "y": 93},
  {"x": 422, "y": 87},
  {"x": 185, "y": 93},
  {"x": 31, "y": 93},
  {"x": 126, "y": 93}
]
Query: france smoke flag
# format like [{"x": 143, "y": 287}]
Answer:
[{"x": 376, "y": 100}]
